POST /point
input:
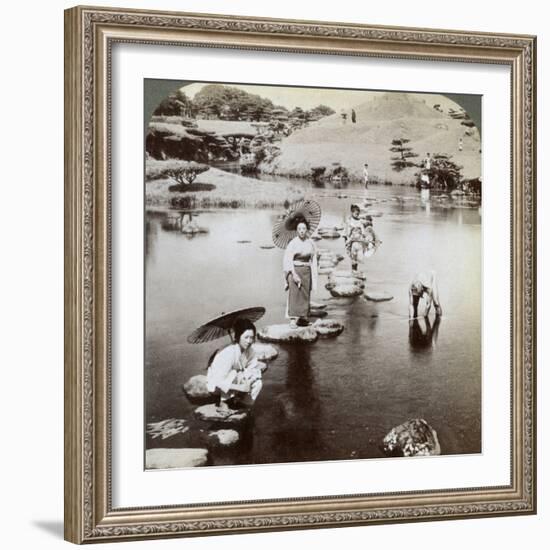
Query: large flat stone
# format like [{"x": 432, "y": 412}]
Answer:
[
  {"x": 352, "y": 274},
  {"x": 319, "y": 313},
  {"x": 345, "y": 291},
  {"x": 224, "y": 438},
  {"x": 328, "y": 328},
  {"x": 212, "y": 413},
  {"x": 330, "y": 235},
  {"x": 380, "y": 296},
  {"x": 196, "y": 391},
  {"x": 265, "y": 352},
  {"x": 336, "y": 281},
  {"x": 285, "y": 334},
  {"x": 162, "y": 459}
]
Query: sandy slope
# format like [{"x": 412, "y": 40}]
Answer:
[{"x": 385, "y": 117}]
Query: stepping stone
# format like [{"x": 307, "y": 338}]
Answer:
[
  {"x": 244, "y": 242},
  {"x": 328, "y": 328},
  {"x": 336, "y": 281},
  {"x": 283, "y": 333},
  {"x": 412, "y": 438},
  {"x": 265, "y": 352},
  {"x": 211, "y": 413},
  {"x": 162, "y": 459},
  {"x": 196, "y": 391},
  {"x": 356, "y": 274},
  {"x": 326, "y": 264},
  {"x": 381, "y": 296},
  {"x": 224, "y": 438},
  {"x": 317, "y": 305},
  {"x": 325, "y": 270},
  {"x": 330, "y": 235},
  {"x": 345, "y": 291},
  {"x": 194, "y": 230},
  {"x": 267, "y": 246},
  {"x": 314, "y": 312}
]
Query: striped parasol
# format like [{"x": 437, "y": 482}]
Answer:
[
  {"x": 284, "y": 230},
  {"x": 221, "y": 326}
]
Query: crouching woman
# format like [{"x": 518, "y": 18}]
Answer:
[{"x": 235, "y": 374}]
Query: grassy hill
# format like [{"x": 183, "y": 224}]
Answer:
[{"x": 386, "y": 117}]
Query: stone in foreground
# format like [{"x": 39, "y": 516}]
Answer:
[
  {"x": 265, "y": 352},
  {"x": 212, "y": 413},
  {"x": 161, "y": 459},
  {"x": 328, "y": 328},
  {"x": 412, "y": 438},
  {"x": 287, "y": 335},
  {"x": 224, "y": 438},
  {"x": 381, "y": 296},
  {"x": 196, "y": 391}
]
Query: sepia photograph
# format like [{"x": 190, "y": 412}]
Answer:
[{"x": 313, "y": 274}]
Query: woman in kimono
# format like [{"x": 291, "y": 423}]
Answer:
[
  {"x": 355, "y": 237},
  {"x": 235, "y": 373},
  {"x": 300, "y": 273}
]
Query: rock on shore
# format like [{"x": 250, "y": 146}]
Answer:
[
  {"x": 175, "y": 458},
  {"x": 412, "y": 438}
]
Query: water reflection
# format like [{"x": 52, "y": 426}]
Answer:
[
  {"x": 422, "y": 334},
  {"x": 184, "y": 222},
  {"x": 299, "y": 406}
]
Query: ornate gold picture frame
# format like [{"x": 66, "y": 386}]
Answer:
[{"x": 90, "y": 36}]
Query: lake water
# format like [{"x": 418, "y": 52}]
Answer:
[{"x": 337, "y": 398}]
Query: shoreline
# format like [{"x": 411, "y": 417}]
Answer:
[{"x": 231, "y": 191}]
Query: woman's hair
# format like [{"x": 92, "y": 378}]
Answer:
[
  {"x": 299, "y": 220},
  {"x": 242, "y": 325},
  {"x": 355, "y": 207}
]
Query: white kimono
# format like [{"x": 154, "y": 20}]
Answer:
[{"x": 232, "y": 366}]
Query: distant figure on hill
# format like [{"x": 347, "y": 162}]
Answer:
[
  {"x": 344, "y": 116},
  {"x": 425, "y": 172},
  {"x": 460, "y": 144},
  {"x": 427, "y": 162},
  {"x": 353, "y": 116},
  {"x": 366, "y": 175}
]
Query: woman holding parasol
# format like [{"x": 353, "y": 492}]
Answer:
[
  {"x": 300, "y": 258},
  {"x": 234, "y": 373}
]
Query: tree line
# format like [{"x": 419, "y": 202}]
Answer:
[{"x": 217, "y": 101}]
